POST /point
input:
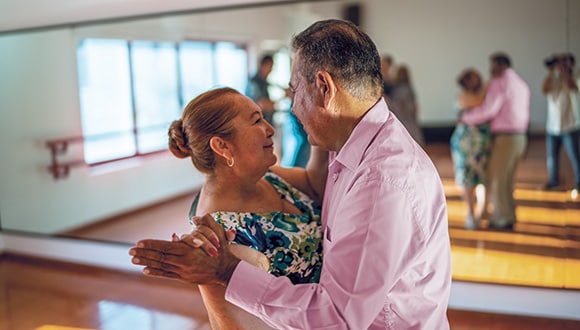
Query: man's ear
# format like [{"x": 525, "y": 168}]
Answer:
[
  {"x": 220, "y": 147},
  {"x": 326, "y": 87}
]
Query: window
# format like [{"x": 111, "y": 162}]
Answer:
[
  {"x": 130, "y": 91},
  {"x": 155, "y": 87}
]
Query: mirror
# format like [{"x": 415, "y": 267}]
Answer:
[{"x": 40, "y": 93}]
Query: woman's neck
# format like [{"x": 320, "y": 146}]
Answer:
[{"x": 231, "y": 186}]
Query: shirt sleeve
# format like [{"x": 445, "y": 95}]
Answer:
[
  {"x": 491, "y": 105},
  {"x": 364, "y": 255}
]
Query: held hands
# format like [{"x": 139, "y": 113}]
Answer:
[{"x": 201, "y": 257}]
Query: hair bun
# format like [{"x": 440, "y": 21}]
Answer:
[{"x": 178, "y": 144}]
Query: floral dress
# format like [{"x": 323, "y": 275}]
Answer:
[
  {"x": 292, "y": 243},
  {"x": 470, "y": 150}
]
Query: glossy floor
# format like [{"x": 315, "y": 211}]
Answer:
[
  {"x": 542, "y": 250},
  {"x": 46, "y": 295}
]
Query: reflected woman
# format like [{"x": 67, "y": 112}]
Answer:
[
  {"x": 403, "y": 103},
  {"x": 275, "y": 211},
  {"x": 470, "y": 146}
]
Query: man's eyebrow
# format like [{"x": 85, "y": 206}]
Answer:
[{"x": 253, "y": 114}]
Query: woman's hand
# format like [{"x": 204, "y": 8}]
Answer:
[
  {"x": 205, "y": 237},
  {"x": 184, "y": 260}
]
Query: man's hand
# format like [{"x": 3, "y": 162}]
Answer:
[{"x": 183, "y": 260}]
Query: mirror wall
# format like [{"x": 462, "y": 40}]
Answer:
[{"x": 38, "y": 70}]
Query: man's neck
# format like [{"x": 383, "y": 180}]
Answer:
[{"x": 351, "y": 113}]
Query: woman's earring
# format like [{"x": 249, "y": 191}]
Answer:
[{"x": 230, "y": 162}]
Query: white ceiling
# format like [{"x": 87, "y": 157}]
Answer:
[{"x": 26, "y": 14}]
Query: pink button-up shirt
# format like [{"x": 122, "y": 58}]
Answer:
[
  {"x": 387, "y": 260},
  {"x": 506, "y": 105}
]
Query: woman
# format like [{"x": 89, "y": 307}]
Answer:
[
  {"x": 404, "y": 104},
  {"x": 275, "y": 211},
  {"x": 470, "y": 146}
]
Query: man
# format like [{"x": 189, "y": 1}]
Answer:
[
  {"x": 257, "y": 88},
  {"x": 507, "y": 108},
  {"x": 386, "y": 253}
]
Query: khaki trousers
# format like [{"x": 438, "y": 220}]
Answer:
[{"x": 506, "y": 153}]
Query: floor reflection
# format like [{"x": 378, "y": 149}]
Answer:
[
  {"x": 119, "y": 316},
  {"x": 47, "y": 295},
  {"x": 542, "y": 250}
]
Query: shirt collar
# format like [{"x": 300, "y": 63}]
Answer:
[{"x": 352, "y": 151}]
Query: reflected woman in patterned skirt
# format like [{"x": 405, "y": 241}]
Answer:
[{"x": 470, "y": 146}]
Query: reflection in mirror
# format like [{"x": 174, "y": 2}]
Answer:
[{"x": 45, "y": 98}]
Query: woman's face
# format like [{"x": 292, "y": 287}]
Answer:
[
  {"x": 253, "y": 147},
  {"x": 474, "y": 81}
]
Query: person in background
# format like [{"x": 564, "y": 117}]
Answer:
[
  {"x": 507, "y": 107},
  {"x": 257, "y": 88},
  {"x": 386, "y": 252},
  {"x": 296, "y": 149},
  {"x": 274, "y": 211},
  {"x": 563, "y": 119},
  {"x": 470, "y": 146},
  {"x": 403, "y": 103},
  {"x": 386, "y": 72}
]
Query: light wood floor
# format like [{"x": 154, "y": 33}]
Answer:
[{"x": 543, "y": 250}]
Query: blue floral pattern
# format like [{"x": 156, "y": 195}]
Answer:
[
  {"x": 470, "y": 150},
  {"x": 292, "y": 243}
]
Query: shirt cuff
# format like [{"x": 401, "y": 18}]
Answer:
[{"x": 247, "y": 287}]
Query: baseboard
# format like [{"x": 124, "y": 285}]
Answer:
[{"x": 82, "y": 251}]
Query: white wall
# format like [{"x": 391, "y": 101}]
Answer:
[
  {"x": 26, "y": 14},
  {"x": 438, "y": 39}
]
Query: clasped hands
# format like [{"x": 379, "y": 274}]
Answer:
[{"x": 200, "y": 257}]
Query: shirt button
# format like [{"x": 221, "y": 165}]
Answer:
[{"x": 334, "y": 177}]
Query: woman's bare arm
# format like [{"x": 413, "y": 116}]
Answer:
[{"x": 310, "y": 180}]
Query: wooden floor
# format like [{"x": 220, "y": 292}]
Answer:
[
  {"x": 542, "y": 251},
  {"x": 48, "y": 295}
]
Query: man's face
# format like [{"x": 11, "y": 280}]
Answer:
[
  {"x": 495, "y": 69},
  {"x": 266, "y": 69},
  {"x": 306, "y": 103}
]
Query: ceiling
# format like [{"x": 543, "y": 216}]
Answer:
[{"x": 16, "y": 15}]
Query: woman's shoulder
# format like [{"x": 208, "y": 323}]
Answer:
[{"x": 279, "y": 183}]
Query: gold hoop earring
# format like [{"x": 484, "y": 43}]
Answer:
[{"x": 230, "y": 162}]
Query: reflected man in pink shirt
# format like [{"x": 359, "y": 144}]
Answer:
[
  {"x": 386, "y": 249},
  {"x": 507, "y": 108}
]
